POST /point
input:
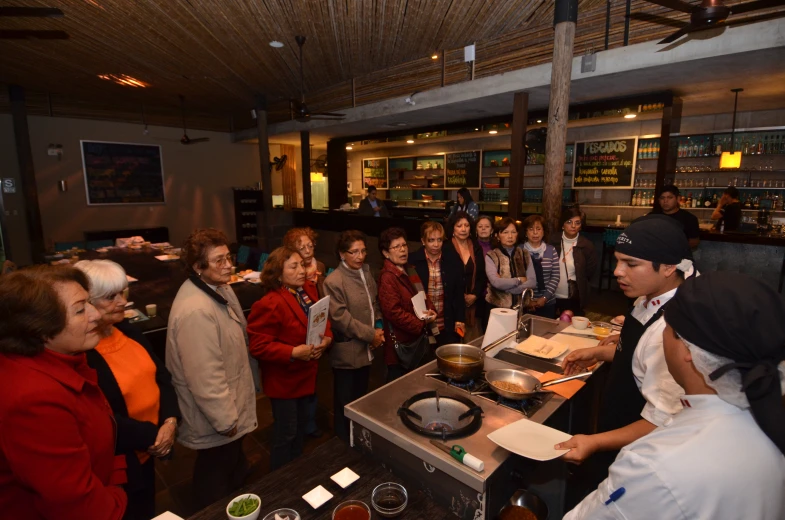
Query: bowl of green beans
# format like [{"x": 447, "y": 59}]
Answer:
[{"x": 244, "y": 507}]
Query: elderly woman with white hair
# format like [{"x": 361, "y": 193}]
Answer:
[
  {"x": 722, "y": 455},
  {"x": 135, "y": 382}
]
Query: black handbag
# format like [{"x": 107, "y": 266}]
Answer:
[{"x": 410, "y": 354}]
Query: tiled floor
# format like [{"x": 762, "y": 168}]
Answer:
[{"x": 173, "y": 478}]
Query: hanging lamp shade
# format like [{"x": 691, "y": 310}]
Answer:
[{"x": 730, "y": 160}]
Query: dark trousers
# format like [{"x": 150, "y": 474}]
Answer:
[
  {"x": 219, "y": 471},
  {"x": 141, "y": 493},
  {"x": 290, "y": 418},
  {"x": 547, "y": 311},
  {"x": 482, "y": 313},
  {"x": 349, "y": 384}
]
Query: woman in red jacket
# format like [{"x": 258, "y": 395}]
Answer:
[
  {"x": 57, "y": 434},
  {"x": 277, "y": 329},
  {"x": 396, "y": 290}
]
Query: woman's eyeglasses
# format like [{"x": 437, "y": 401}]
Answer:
[
  {"x": 575, "y": 223},
  {"x": 306, "y": 247},
  {"x": 357, "y": 252},
  {"x": 222, "y": 260},
  {"x": 399, "y": 247}
]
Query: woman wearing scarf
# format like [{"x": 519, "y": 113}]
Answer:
[
  {"x": 484, "y": 230},
  {"x": 509, "y": 268},
  {"x": 577, "y": 263},
  {"x": 303, "y": 240},
  {"x": 398, "y": 283},
  {"x": 475, "y": 280},
  {"x": 722, "y": 455},
  {"x": 277, "y": 329},
  {"x": 356, "y": 324},
  {"x": 546, "y": 266}
]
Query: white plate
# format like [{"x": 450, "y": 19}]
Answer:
[
  {"x": 317, "y": 497},
  {"x": 167, "y": 258},
  {"x": 530, "y": 439},
  {"x": 541, "y": 347},
  {"x": 345, "y": 477}
]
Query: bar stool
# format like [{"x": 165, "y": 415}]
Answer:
[{"x": 609, "y": 237}]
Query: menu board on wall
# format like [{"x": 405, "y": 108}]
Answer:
[
  {"x": 122, "y": 173},
  {"x": 608, "y": 164},
  {"x": 375, "y": 172},
  {"x": 463, "y": 169}
]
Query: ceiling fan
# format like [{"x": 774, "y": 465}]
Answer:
[
  {"x": 185, "y": 139},
  {"x": 31, "y": 12},
  {"x": 299, "y": 109},
  {"x": 709, "y": 14}
]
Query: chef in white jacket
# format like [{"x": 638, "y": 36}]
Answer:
[{"x": 721, "y": 457}]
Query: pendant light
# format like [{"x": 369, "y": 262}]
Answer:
[{"x": 732, "y": 159}]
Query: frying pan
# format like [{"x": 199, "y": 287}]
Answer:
[{"x": 527, "y": 381}]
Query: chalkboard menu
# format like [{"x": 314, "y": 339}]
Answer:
[
  {"x": 122, "y": 173},
  {"x": 375, "y": 172},
  {"x": 608, "y": 164},
  {"x": 463, "y": 169}
]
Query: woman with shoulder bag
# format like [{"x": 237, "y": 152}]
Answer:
[
  {"x": 407, "y": 343},
  {"x": 577, "y": 261}
]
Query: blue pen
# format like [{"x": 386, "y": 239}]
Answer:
[{"x": 615, "y": 495}]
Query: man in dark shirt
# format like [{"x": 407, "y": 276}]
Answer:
[
  {"x": 728, "y": 211},
  {"x": 371, "y": 206},
  {"x": 669, "y": 205}
]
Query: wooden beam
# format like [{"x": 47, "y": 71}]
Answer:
[
  {"x": 337, "y": 174},
  {"x": 267, "y": 181},
  {"x": 666, "y": 161},
  {"x": 565, "y": 14},
  {"x": 520, "y": 114},
  {"x": 305, "y": 154},
  {"x": 24, "y": 154}
]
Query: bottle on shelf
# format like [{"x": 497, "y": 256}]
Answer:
[
  {"x": 714, "y": 201},
  {"x": 748, "y": 203},
  {"x": 689, "y": 200},
  {"x": 706, "y": 203}
]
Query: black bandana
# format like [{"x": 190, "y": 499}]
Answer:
[
  {"x": 656, "y": 238},
  {"x": 743, "y": 319}
]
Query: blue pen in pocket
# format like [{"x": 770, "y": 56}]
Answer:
[{"x": 615, "y": 495}]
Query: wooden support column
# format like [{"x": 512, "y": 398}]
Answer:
[
  {"x": 266, "y": 227},
  {"x": 305, "y": 154},
  {"x": 520, "y": 114},
  {"x": 24, "y": 154},
  {"x": 565, "y": 18},
  {"x": 337, "y": 174},
  {"x": 666, "y": 161}
]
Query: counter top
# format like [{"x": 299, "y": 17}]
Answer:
[{"x": 286, "y": 486}]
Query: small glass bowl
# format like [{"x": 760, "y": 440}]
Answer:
[
  {"x": 358, "y": 503},
  {"x": 601, "y": 328},
  {"x": 283, "y": 513},
  {"x": 389, "y": 499}
]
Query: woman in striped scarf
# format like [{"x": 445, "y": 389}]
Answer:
[{"x": 546, "y": 266}]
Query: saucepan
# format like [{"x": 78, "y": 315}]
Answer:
[
  {"x": 527, "y": 382},
  {"x": 460, "y": 362},
  {"x": 524, "y": 504}
]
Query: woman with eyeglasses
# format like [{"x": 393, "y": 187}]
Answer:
[
  {"x": 207, "y": 355},
  {"x": 509, "y": 268},
  {"x": 303, "y": 240},
  {"x": 577, "y": 261},
  {"x": 135, "y": 382},
  {"x": 356, "y": 324},
  {"x": 398, "y": 283}
]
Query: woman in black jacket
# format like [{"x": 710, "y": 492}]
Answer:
[
  {"x": 577, "y": 261},
  {"x": 136, "y": 384},
  {"x": 475, "y": 280}
]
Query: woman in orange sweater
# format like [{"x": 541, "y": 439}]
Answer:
[{"x": 137, "y": 385}]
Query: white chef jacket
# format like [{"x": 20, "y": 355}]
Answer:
[
  {"x": 661, "y": 391},
  {"x": 712, "y": 462}
]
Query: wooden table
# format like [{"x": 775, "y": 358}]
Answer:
[{"x": 286, "y": 486}]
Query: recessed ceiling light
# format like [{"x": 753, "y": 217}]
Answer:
[
  {"x": 476, "y": 129},
  {"x": 434, "y": 56},
  {"x": 276, "y": 44},
  {"x": 492, "y": 132},
  {"x": 124, "y": 80},
  {"x": 348, "y": 147},
  {"x": 630, "y": 116},
  {"x": 539, "y": 120},
  {"x": 410, "y": 141}
]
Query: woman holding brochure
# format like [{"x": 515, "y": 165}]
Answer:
[
  {"x": 357, "y": 325},
  {"x": 277, "y": 330}
]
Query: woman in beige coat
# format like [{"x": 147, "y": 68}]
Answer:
[
  {"x": 356, "y": 324},
  {"x": 207, "y": 355}
]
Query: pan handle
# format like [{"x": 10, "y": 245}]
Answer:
[
  {"x": 564, "y": 379},
  {"x": 499, "y": 341}
]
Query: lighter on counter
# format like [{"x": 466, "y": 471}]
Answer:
[{"x": 459, "y": 454}]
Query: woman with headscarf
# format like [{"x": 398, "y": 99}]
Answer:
[{"x": 722, "y": 456}]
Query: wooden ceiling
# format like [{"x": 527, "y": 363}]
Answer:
[{"x": 217, "y": 54}]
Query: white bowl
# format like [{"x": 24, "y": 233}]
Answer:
[
  {"x": 252, "y": 516},
  {"x": 283, "y": 513},
  {"x": 579, "y": 322}
]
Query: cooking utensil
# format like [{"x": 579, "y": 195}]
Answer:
[
  {"x": 458, "y": 453},
  {"x": 524, "y": 499},
  {"x": 589, "y": 336},
  {"x": 528, "y": 382},
  {"x": 470, "y": 369}
]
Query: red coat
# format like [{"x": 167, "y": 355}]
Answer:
[
  {"x": 395, "y": 299},
  {"x": 57, "y": 440},
  {"x": 276, "y": 325}
]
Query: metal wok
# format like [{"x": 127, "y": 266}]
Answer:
[{"x": 528, "y": 382}]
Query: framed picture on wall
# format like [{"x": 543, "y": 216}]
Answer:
[{"x": 122, "y": 173}]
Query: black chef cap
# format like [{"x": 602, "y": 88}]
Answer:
[
  {"x": 742, "y": 319},
  {"x": 656, "y": 238}
]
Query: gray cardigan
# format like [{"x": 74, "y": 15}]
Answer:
[
  {"x": 352, "y": 315},
  {"x": 207, "y": 355}
]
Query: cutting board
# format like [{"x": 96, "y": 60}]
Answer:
[{"x": 573, "y": 343}]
